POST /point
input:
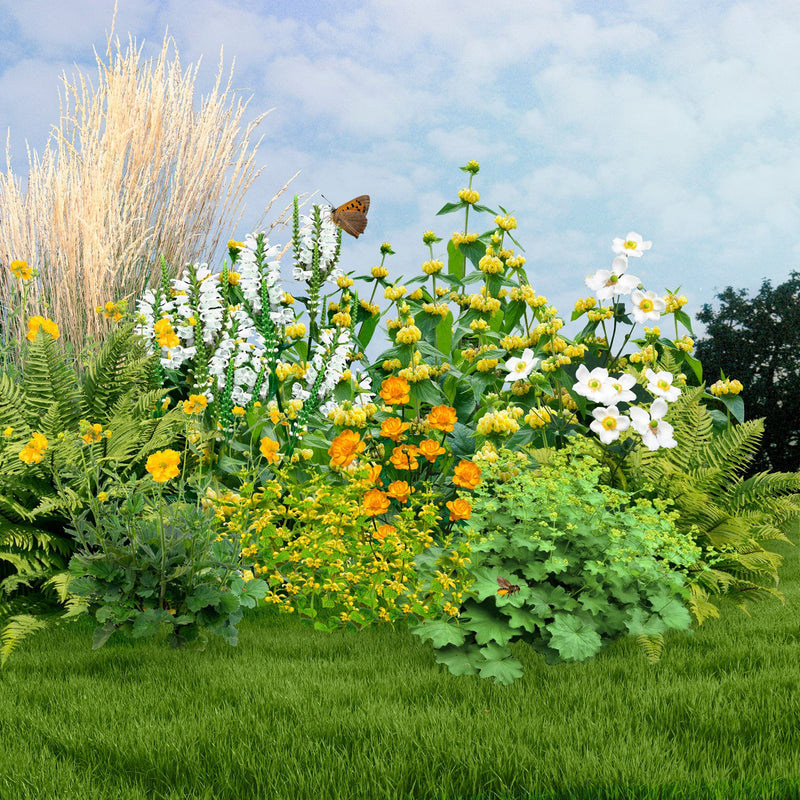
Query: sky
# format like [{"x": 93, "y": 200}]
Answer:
[{"x": 678, "y": 120}]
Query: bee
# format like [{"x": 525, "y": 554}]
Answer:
[{"x": 506, "y": 587}]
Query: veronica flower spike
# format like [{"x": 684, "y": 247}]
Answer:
[
  {"x": 654, "y": 431},
  {"x": 661, "y": 385},
  {"x": 520, "y": 368}
]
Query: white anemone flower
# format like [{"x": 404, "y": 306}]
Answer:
[
  {"x": 661, "y": 385},
  {"x": 520, "y": 368},
  {"x": 606, "y": 283},
  {"x": 621, "y": 386},
  {"x": 647, "y": 306},
  {"x": 631, "y": 245},
  {"x": 593, "y": 385},
  {"x": 609, "y": 423},
  {"x": 654, "y": 431}
]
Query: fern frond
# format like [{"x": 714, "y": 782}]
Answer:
[
  {"x": 652, "y": 646},
  {"x": 700, "y": 606},
  {"x": 17, "y": 628}
]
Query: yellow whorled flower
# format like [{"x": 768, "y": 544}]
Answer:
[
  {"x": 269, "y": 449},
  {"x": 164, "y": 465},
  {"x": 92, "y": 433},
  {"x": 33, "y": 452}
]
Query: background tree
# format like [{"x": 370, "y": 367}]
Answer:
[{"x": 757, "y": 341}]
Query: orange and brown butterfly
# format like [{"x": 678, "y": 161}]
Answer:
[
  {"x": 352, "y": 216},
  {"x": 506, "y": 587}
]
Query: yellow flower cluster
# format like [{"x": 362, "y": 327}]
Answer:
[
  {"x": 394, "y": 292},
  {"x": 391, "y": 364},
  {"x": 372, "y": 308},
  {"x": 575, "y": 350},
  {"x": 437, "y": 309},
  {"x": 685, "y": 343},
  {"x": 344, "y": 282},
  {"x": 725, "y": 387},
  {"x": 347, "y": 415},
  {"x": 284, "y": 370},
  {"x": 379, "y": 272},
  {"x": 287, "y": 299},
  {"x": 93, "y": 433},
  {"x": 296, "y": 330},
  {"x": 584, "y": 304},
  {"x": 556, "y": 345},
  {"x": 538, "y": 417},
  {"x": 553, "y": 363},
  {"x": 432, "y": 267},
  {"x": 486, "y": 364},
  {"x": 463, "y": 238},
  {"x": 507, "y": 223},
  {"x": 417, "y": 294},
  {"x": 342, "y": 319},
  {"x": 487, "y": 453},
  {"x": 525, "y": 292},
  {"x": 409, "y": 334},
  {"x": 468, "y": 196},
  {"x": 503, "y": 421},
  {"x": 482, "y": 303},
  {"x": 515, "y": 262},
  {"x": 674, "y": 303},
  {"x": 165, "y": 334},
  {"x": 647, "y": 355},
  {"x": 600, "y": 314},
  {"x": 479, "y": 325},
  {"x": 111, "y": 310},
  {"x": 490, "y": 264}
]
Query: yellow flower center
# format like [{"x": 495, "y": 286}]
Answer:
[
  {"x": 664, "y": 385},
  {"x": 646, "y": 305},
  {"x": 630, "y": 245},
  {"x": 610, "y": 423},
  {"x": 520, "y": 367}
]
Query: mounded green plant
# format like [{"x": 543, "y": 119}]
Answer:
[
  {"x": 563, "y": 563},
  {"x": 145, "y": 564},
  {"x": 727, "y": 514},
  {"x": 53, "y": 425}
]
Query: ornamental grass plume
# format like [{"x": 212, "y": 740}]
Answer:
[{"x": 132, "y": 172}]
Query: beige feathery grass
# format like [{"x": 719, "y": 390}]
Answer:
[{"x": 132, "y": 172}]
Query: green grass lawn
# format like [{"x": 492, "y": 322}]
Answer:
[{"x": 295, "y": 713}]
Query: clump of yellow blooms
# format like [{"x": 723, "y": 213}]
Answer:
[
  {"x": 482, "y": 303},
  {"x": 394, "y": 292},
  {"x": 490, "y": 264},
  {"x": 600, "y": 314},
  {"x": 468, "y": 196},
  {"x": 503, "y": 421},
  {"x": 486, "y": 364},
  {"x": 379, "y": 272},
  {"x": 584, "y": 304},
  {"x": 538, "y": 417},
  {"x": 726, "y": 387},
  {"x": 409, "y": 334},
  {"x": 342, "y": 319},
  {"x": 344, "y": 281},
  {"x": 373, "y": 308},
  {"x": 674, "y": 303},
  {"x": 487, "y": 453},
  {"x": 346, "y": 415},
  {"x": 437, "y": 309},
  {"x": 295, "y": 331},
  {"x": 391, "y": 364},
  {"x": 432, "y": 267},
  {"x": 507, "y": 223},
  {"x": 479, "y": 325},
  {"x": 463, "y": 238},
  {"x": 647, "y": 355},
  {"x": 685, "y": 343}
]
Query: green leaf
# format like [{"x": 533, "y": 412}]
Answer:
[
  {"x": 102, "y": 634},
  {"x": 500, "y": 665},
  {"x": 460, "y": 660},
  {"x": 488, "y": 624},
  {"x": 440, "y": 632},
  {"x": 640, "y": 623},
  {"x": 672, "y": 612},
  {"x": 444, "y": 334},
  {"x": 449, "y": 208},
  {"x": 149, "y": 622},
  {"x": 523, "y": 618},
  {"x": 735, "y": 404},
  {"x": 204, "y": 595},
  {"x": 573, "y": 638},
  {"x": 455, "y": 260}
]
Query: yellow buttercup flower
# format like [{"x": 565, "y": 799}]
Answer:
[{"x": 164, "y": 465}]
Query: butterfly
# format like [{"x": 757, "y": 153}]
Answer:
[
  {"x": 506, "y": 587},
  {"x": 352, "y": 216}
]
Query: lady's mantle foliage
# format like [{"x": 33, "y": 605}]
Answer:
[{"x": 592, "y": 566}]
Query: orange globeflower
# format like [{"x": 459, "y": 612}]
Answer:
[
  {"x": 403, "y": 457},
  {"x": 442, "y": 418},
  {"x": 383, "y": 531},
  {"x": 393, "y": 428},
  {"x": 459, "y": 509},
  {"x": 374, "y": 474},
  {"x": 47, "y": 325},
  {"x": 430, "y": 448},
  {"x": 375, "y": 503},
  {"x": 269, "y": 449},
  {"x": 345, "y": 447},
  {"x": 467, "y": 474},
  {"x": 395, "y": 391},
  {"x": 399, "y": 490}
]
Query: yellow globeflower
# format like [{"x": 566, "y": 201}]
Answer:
[
  {"x": 164, "y": 465},
  {"x": 21, "y": 270},
  {"x": 196, "y": 404},
  {"x": 47, "y": 325}
]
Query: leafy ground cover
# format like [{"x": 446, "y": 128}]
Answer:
[{"x": 298, "y": 713}]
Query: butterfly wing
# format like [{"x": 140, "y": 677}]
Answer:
[{"x": 352, "y": 216}]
